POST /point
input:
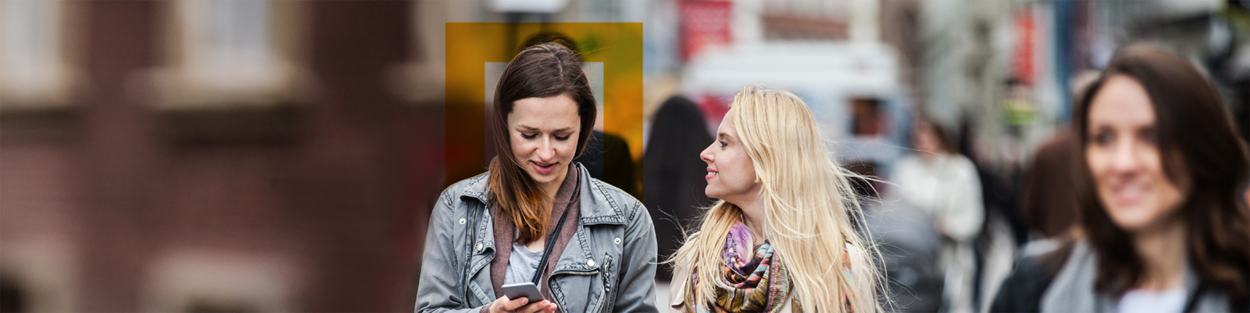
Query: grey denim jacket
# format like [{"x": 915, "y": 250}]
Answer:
[{"x": 608, "y": 266}]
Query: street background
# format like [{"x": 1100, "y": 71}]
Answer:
[{"x": 254, "y": 155}]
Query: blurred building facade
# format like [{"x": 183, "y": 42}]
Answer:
[
  {"x": 1010, "y": 67},
  {"x": 212, "y": 155}
]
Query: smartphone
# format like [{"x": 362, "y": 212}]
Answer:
[{"x": 526, "y": 289}]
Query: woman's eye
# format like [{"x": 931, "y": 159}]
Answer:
[
  {"x": 563, "y": 138},
  {"x": 1150, "y": 136},
  {"x": 529, "y": 136},
  {"x": 723, "y": 143},
  {"x": 1103, "y": 138}
]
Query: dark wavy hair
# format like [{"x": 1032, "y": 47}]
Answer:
[
  {"x": 539, "y": 71},
  {"x": 1199, "y": 148}
]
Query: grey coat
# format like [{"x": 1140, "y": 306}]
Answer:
[
  {"x": 608, "y": 266},
  {"x": 1073, "y": 288}
]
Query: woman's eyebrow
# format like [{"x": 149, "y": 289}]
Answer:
[{"x": 531, "y": 128}]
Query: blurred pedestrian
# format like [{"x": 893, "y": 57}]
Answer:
[
  {"x": 606, "y": 149},
  {"x": 536, "y": 216},
  {"x": 1162, "y": 228},
  {"x": 945, "y": 185},
  {"x": 674, "y": 188},
  {"x": 1048, "y": 201},
  {"x": 779, "y": 239},
  {"x": 907, "y": 243}
]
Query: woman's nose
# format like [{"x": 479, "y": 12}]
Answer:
[
  {"x": 546, "y": 151},
  {"x": 1126, "y": 157}
]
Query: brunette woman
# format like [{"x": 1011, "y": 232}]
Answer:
[
  {"x": 536, "y": 216},
  {"x": 1162, "y": 228}
]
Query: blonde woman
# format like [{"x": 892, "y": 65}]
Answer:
[{"x": 780, "y": 237}]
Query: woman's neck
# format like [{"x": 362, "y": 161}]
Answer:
[
  {"x": 552, "y": 188},
  {"x": 753, "y": 215},
  {"x": 1163, "y": 252}
]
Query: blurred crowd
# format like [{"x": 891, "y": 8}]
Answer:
[{"x": 960, "y": 112}]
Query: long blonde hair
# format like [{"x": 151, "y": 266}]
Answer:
[{"x": 808, "y": 204}]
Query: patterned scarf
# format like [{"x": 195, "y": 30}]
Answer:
[{"x": 756, "y": 284}]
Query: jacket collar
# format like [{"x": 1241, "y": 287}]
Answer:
[
  {"x": 598, "y": 206},
  {"x": 1072, "y": 289}
]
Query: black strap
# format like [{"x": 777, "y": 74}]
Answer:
[
  {"x": 551, "y": 239},
  {"x": 470, "y": 236}
]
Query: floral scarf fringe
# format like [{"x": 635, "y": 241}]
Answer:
[{"x": 757, "y": 284}]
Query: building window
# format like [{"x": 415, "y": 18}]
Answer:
[
  {"x": 229, "y": 42},
  {"x": 230, "y": 53},
  {"x": 33, "y": 55},
  {"x": 191, "y": 280}
]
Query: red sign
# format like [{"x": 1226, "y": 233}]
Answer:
[
  {"x": 1022, "y": 63},
  {"x": 704, "y": 23}
]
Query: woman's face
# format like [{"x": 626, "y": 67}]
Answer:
[
  {"x": 730, "y": 173},
  {"x": 924, "y": 140},
  {"x": 1123, "y": 155},
  {"x": 544, "y": 134}
]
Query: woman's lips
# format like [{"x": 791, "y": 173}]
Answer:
[
  {"x": 1128, "y": 194},
  {"x": 710, "y": 173},
  {"x": 543, "y": 169}
]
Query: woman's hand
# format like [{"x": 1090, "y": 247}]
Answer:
[{"x": 521, "y": 305}]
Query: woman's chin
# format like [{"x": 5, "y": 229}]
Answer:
[
  {"x": 545, "y": 178},
  {"x": 1134, "y": 221},
  {"x": 710, "y": 193}
]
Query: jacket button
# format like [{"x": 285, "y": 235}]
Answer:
[
  {"x": 617, "y": 240},
  {"x": 462, "y": 221},
  {"x": 479, "y": 247},
  {"x": 590, "y": 262}
]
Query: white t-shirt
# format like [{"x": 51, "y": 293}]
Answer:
[
  {"x": 1145, "y": 301},
  {"x": 522, "y": 264}
]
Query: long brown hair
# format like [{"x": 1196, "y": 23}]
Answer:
[
  {"x": 1048, "y": 201},
  {"x": 1199, "y": 149},
  {"x": 540, "y": 71}
]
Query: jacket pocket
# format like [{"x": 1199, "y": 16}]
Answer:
[{"x": 572, "y": 289}]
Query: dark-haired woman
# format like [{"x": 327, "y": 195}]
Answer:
[
  {"x": 536, "y": 216},
  {"x": 1161, "y": 226}
]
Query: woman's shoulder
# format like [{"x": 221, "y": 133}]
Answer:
[
  {"x": 1036, "y": 270},
  {"x": 853, "y": 258},
  {"x": 959, "y": 163},
  {"x": 864, "y": 281},
  {"x": 624, "y": 201},
  {"x": 682, "y": 266},
  {"x": 472, "y": 187},
  {"x": 1055, "y": 254},
  {"x": 852, "y": 250}
]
